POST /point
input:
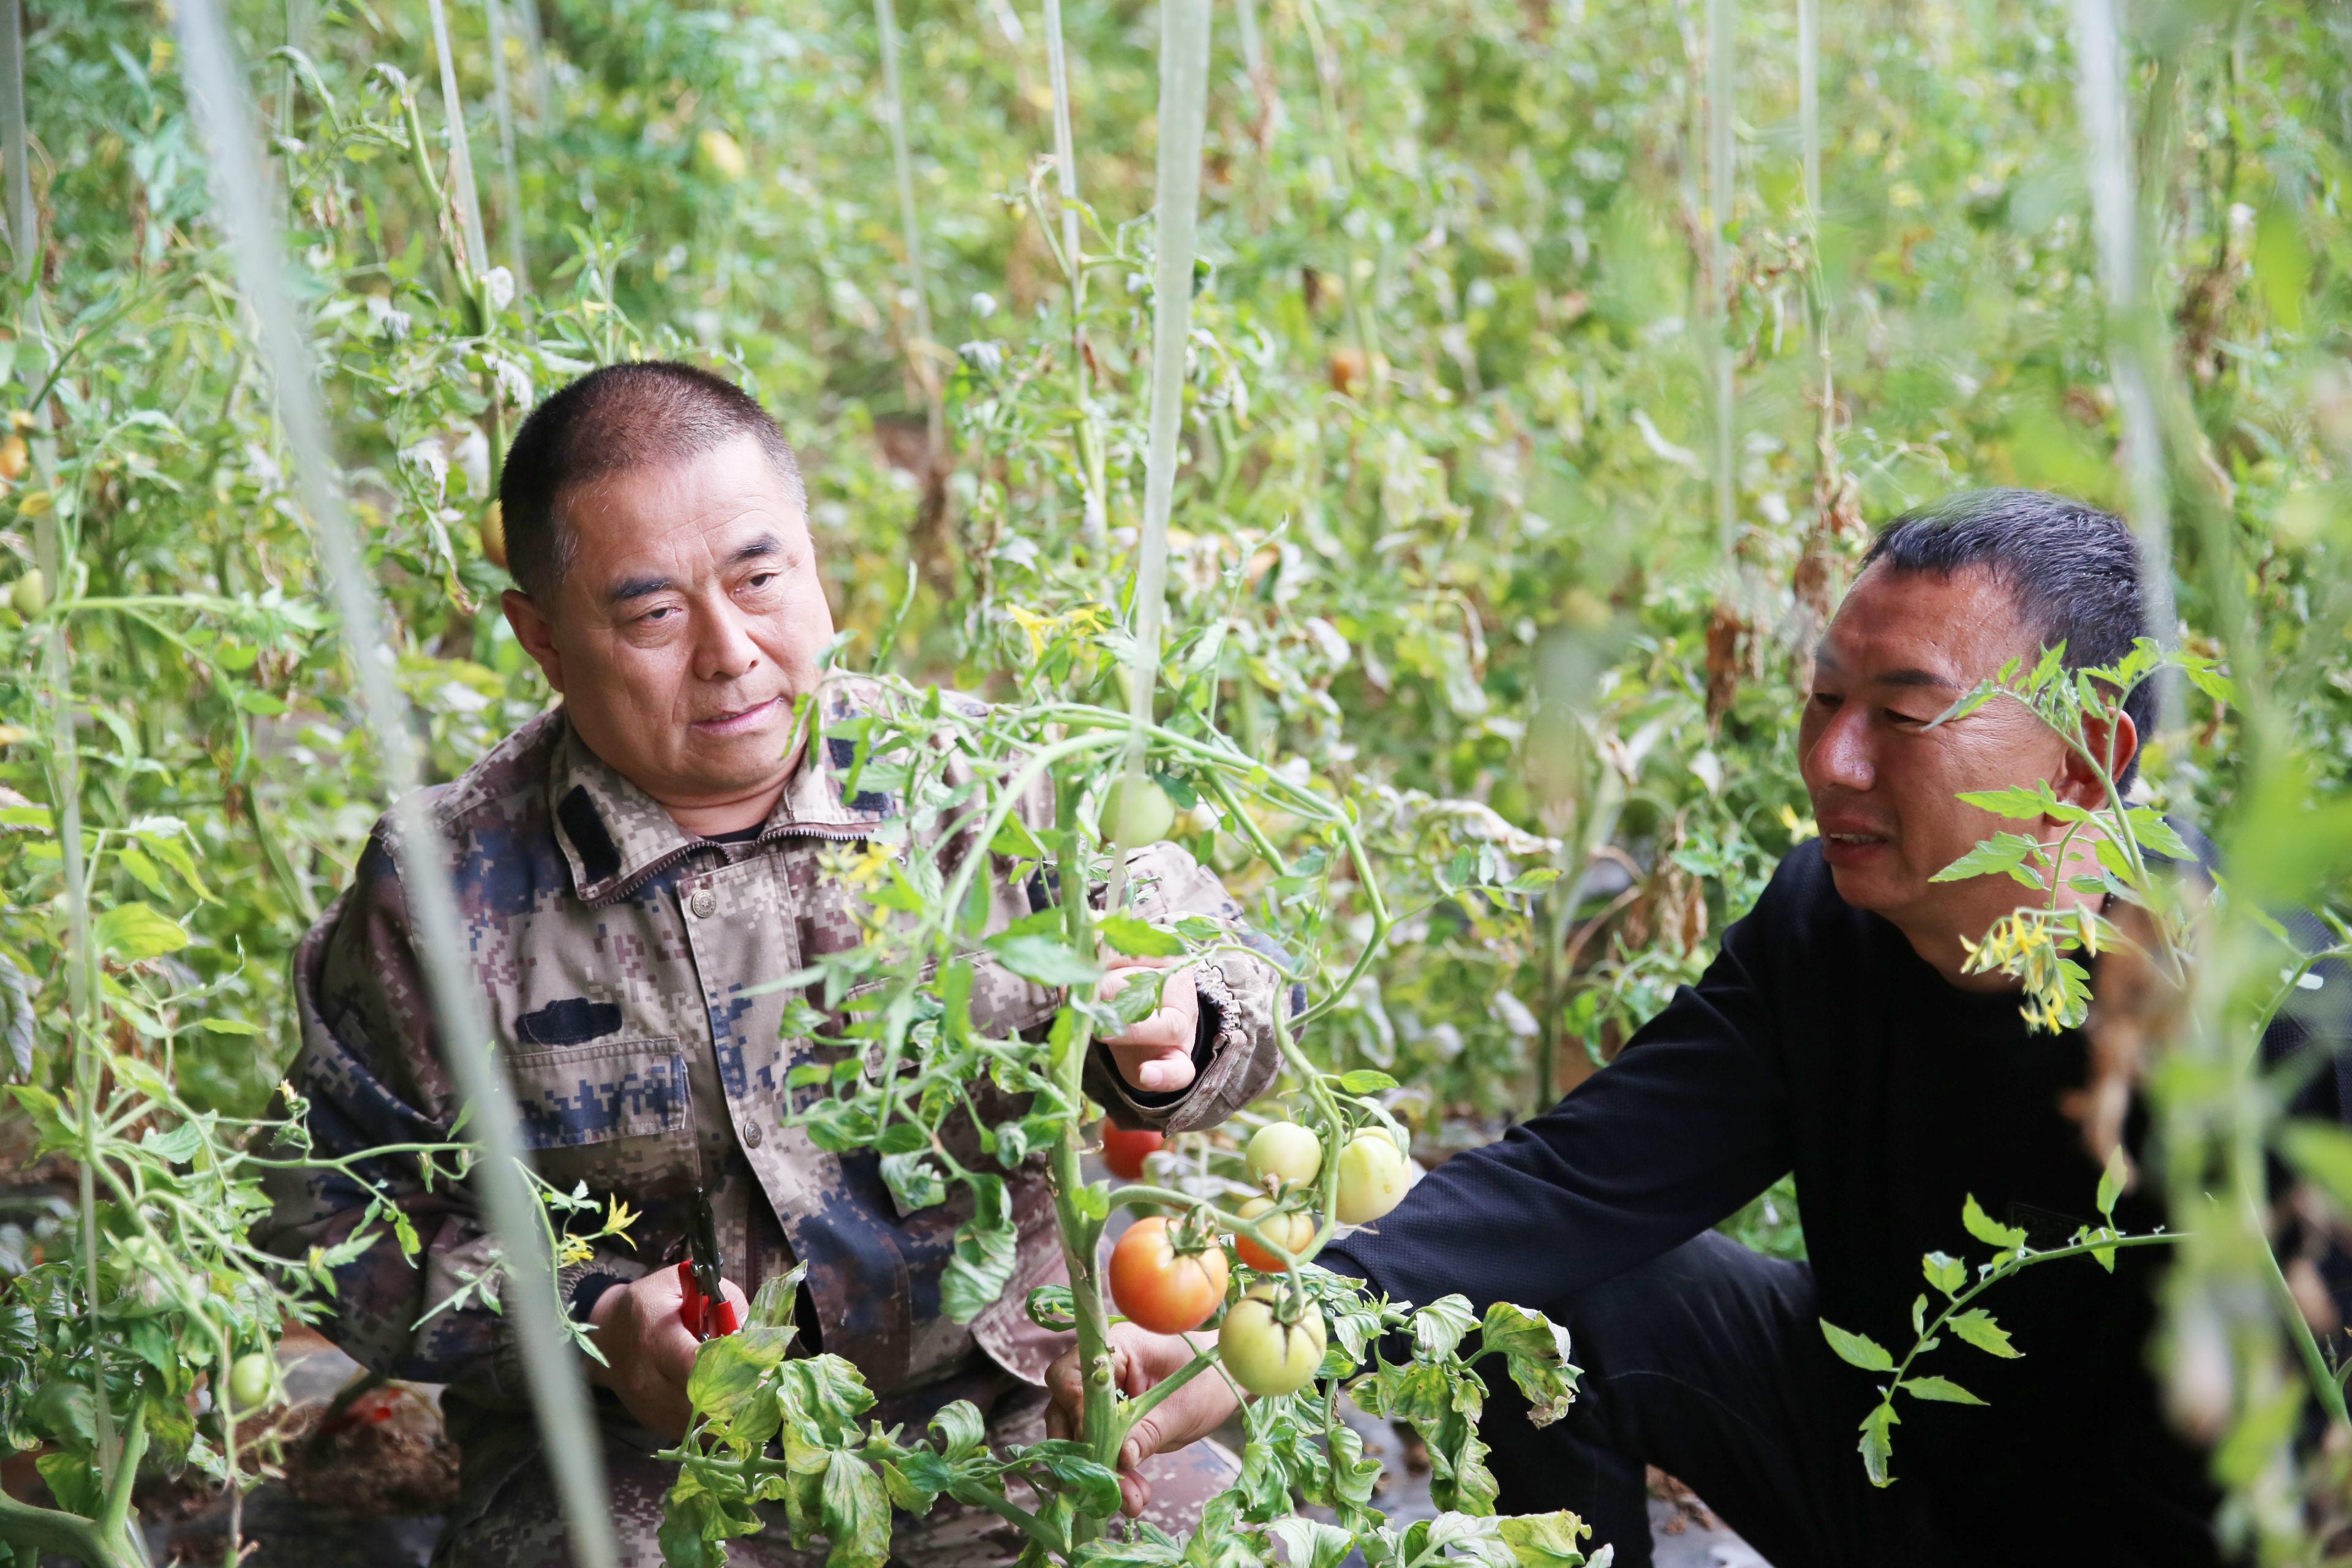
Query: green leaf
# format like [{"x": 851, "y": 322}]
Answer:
[
  {"x": 226, "y": 1027},
  {"x": 2148, "y": 826},
  {"x": 1987, "y": 1229},
  {"x": 1942, "y": 1389},
  {"x": 2008, "y": 852},
  {"x": 2019, "y": 803},
  {"x": 2321, "y": 1154},
  {"x": 1365, "y": 1080},
  {"x": 135, "y": 930},
  {"x": 857, "y": 1514},
  {"x": 1946, "y": 1273},
  {"x": 2111, "y": 1183},
  {"x": 1138, "y": 939},
  {"x": 1877, "y": 1445},
  {"x": 1976, "y": 1326},
  {"x": 1544, "y": 1540},
  {"x": 1438, "y": 1328},
  {"x": 1857, "y": 1350},
  {"x": 914, "y": 1182},
  {"x": 728, "y": 1384},
  {"x": 1311, "y": 1543},
  {"x": 1535, "y": 1351},
  {"x": 1044, "y": 959}
]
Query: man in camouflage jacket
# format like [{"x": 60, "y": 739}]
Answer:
[{"x": 632, "y": 867}]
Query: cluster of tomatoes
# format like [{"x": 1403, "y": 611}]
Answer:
[{"x": 1171, "y": 1277}]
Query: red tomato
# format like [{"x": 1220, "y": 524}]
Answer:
[
  {"x": 1294, "y": 1231},
  {"x": 1123, "y": 1150},
  {"x": 1160, "y": 1288}
]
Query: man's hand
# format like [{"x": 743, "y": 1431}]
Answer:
[
  {"x": 648, "y": 1352},
  {"x": 1156, "y": 1053},
  {"x": 1139, "y": 1361}
]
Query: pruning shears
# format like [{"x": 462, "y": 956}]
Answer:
[{"x": 705, "y": 1311}]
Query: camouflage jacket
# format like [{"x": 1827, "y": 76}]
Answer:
[{"x": 623, "y": 960}]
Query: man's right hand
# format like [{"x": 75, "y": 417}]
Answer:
[
  {"x": 648, "y": 1352},
  {"x": 1141, "y": 1359}
]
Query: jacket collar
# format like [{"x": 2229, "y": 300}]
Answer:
[{"x": 614, "y": 835}]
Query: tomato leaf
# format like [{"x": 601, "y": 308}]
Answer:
[
  {"x": 1938, "y": 1388},
  {"x": 1544, "y": 1540},
  {"x": 1044, "y": 959},
  {"x": 1987, "y": 1229},
  {"x": 1877, "y": 1445},
  {"x": 134, "y": 931},
  {"x": 1857, "y": 1350},
  {"x": 1138, "y": 939},
  {"x": 1535, "y": 1351},
  {"x": 1976, "y": 1326},
  {"x": 1946, "y": 1273}
]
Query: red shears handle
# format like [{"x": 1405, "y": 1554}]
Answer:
[{"x": 704, "y": 1317}]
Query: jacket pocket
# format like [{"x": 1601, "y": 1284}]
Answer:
[{"x": 576, "y": 1095}]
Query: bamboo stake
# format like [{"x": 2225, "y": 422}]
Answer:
[
  {"x": 894, "y": 105},
  {"x": 461, "y": 156},
  {"x": 56, "y": 661},
  {"x": 510, "y": 176},
  {"x": 1184, "y": 117},
  {"x": 566, "y": 1424}
]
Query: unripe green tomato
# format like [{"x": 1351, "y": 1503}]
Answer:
[
  {"x": 722, "y": 155},
  {"x": 494, "y": 534},
  {"x": 249, "y": 1381},
  {"x": 1265, "y": 1355},
  {"x": 1372, "y": 1177},
  {"x": 30, "y": 596},
  {"x": 1284, "y": 1155},
  {"x": 1146, "y": 822}
]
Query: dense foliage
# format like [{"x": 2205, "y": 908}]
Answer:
[{"x": 1468, "y": 534}]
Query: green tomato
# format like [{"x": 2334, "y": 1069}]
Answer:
[
  {"x": 1148, "y": 821},
  {"x": 249, "y": 1381},
  {"x": 1284, "y": 1155},
  {"x": 1372, "y": 1177},
  {"x": 1265, "y": 1355},
  {"x": 30, "y": 596}
]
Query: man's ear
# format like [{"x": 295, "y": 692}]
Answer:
[
  {"x": 2111, "y": 737},
  {"x": 532, "y": 629}
]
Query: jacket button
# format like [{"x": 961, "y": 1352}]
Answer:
[
  {"x": 750, "y": 1135},
  {"x": 703, "y": 903}
]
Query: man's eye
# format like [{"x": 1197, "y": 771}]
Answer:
[
  {"x": 761, "y": 579},
  {"x": 1896, "y": 716}
]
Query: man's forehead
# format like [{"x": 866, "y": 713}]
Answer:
[{"x": 1917, "y": 629}]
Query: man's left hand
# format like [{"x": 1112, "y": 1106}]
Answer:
[{"x": 1155, "y": 1054}]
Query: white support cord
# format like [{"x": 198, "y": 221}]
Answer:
[
  {"x": 2115, "y": 223},
  {"x": 461, "y": 155},
  {"x": 566, "y": 1424},
  {"x": 1183, "y": 118}
]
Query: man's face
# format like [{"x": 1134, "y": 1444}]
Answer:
[
  {"x": 690, "y": 619},
  {"x": 1902, "y": 649}
]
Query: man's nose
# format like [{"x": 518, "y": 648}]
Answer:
[
  {"x": 1840, "y": 756},
  {"x": 723, "y": 649}
]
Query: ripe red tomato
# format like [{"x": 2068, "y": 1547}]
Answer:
[
  {"x": 1123, "y": 1150},
  {"x": 1160, "y": 1288},
  {"x": 1294, "y": 1231}
]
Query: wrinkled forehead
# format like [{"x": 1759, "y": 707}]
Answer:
[
  {"x": 1945, "y": 632},
  {"x": 688, "y": 516}
]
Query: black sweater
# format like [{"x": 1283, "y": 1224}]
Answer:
[{"x": 1818, "y": 1041}]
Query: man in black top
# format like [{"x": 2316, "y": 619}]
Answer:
[{"x": 1837, "y": 1035}]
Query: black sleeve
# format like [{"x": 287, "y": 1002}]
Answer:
[{"x": 1687, "y": 1125}]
